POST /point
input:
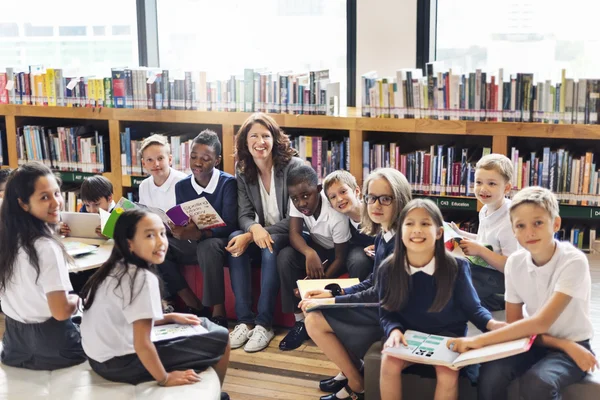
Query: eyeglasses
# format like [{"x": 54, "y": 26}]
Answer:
[{"x": 384, "y": 200}]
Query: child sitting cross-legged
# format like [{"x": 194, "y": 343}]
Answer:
[{"x": 552, "y": 280}]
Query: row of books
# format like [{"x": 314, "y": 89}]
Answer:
[
  {"x": 480, "y": 96},
  {"x": 443, "y": 170},
  {"x": 62, "y": 148},
  {"x": 573, "y": 177},
  {"x": 149, "y": 88},
  {"x": 324, "y": 155},
  {"x": 580, "y": 236},
  {"x": 131, "y": 159}
]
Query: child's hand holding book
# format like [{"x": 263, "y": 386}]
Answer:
[
  {"x": 396, "y": 339},
  {"x": 464, "y": 344},
  {"x": 307, "y": 304}
]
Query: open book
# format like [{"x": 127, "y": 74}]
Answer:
[
  {"x": 171, "y": 331},
  {"x": 200, "y": 210},
  {"x": 433, "y": 350},
  {"x": 451, "y": 234}
]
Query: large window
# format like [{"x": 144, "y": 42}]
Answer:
[
  {"x": 532, "y": 36},
  {"x": 83, "y": 39},
  {"x": 224, "y": 37}
]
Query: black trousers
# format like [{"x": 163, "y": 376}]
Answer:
[
  {"x": 195, "y": 352},
  {"x": 45, "y": 346}
]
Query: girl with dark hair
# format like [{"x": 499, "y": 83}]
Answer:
[
  {"x": 123, "y": 298},
  {"x": 264, "y": 158},
  {"x": 423, "y": 287},
  {"x": 34, "y": 277}
]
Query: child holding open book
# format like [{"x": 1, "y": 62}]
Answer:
[
  {"x": 345, "y": 335},
  {"x": 422, "y": 287},
  {"x": 552, "y": 280},
  {"x": 122, "y": 305}
]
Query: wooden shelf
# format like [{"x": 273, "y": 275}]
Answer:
[{"x": 351, "y": 123}]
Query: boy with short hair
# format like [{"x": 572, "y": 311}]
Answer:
[
  {"x": 493, "y": 177},
  {"x": 552, "y": 279},
  {"x": 96, "y": 193},
  {"x": 322, "y": 255},
  {"x": 158, "y": 190},
  {"x": 344, "y": 196}
]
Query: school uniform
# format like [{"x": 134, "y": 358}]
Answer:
[
  {"x": 329, "y": 229},
  {"x": 33, "y": 339},
  {"x": 451, "y": 321},
  {"x": 494, "y": 229},
  {"x": 210, "y": 254},
  {"x": 163, "y": 197},
  {"x": 544, "y": 372},
  {"x": 359, "y": 328},
  {"x": 358, "y": 264},
  {"x": 116, "y": 307},
  {"x": 270, "y": 210}
]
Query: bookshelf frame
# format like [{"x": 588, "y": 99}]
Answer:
[{"x": 351, "y": 121}]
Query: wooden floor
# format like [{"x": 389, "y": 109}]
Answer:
[{"x": 274, "y": 374}]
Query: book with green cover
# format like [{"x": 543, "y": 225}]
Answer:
[{"x": 108, "y": 220}]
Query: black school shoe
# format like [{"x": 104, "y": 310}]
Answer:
[
  {"x": 220, "y": 320},
  {"x": 353, "y": 395},
  {"x": 224, "y": 396},
  {"x": 330, "y": 385},
  {"x": 295, "y": 337}
]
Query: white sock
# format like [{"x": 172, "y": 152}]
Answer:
[
  {"x": 342, "y": 394},
  {"x": 299, "y": 317},
  {"x": 339, "y": 377}
]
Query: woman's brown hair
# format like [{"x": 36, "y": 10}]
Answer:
[{"x": 282, "y": 151}]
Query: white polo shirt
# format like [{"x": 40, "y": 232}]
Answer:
[
  {"x": 162, "y": 196},
  {"x": 495, "y": 229},
  {"x": 107, "y": 327},
  {"x": 567, "y": 272},
  {"x": 24, "y": 299},
  {"x": 330, "y": 228}
]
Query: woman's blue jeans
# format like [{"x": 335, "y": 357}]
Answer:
[{"x": 241, "y": 281}]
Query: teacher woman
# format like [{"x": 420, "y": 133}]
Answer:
[{"x": 264, "y": 157}]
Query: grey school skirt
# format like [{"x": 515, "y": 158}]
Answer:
[
  {"x": 45, "y": 346},
  {"x": 356, "y": 328},
  {"x": 195, "y": 352}
]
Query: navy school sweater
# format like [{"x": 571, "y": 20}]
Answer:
[
  {"x": 365, "y": 291},
  {"x": 463, "y": 306},
  {"x": 223, "y": 200},
  {"x": 360, "y": 239}
]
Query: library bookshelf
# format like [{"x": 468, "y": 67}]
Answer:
[{"x": 350, "y": 123}]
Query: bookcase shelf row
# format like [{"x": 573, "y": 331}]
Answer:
[{"x": 351, "y": 124}]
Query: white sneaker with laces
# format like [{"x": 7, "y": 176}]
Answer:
[
  {"x": 259, "y": 339},
  {"x": 238, "y": 336}
]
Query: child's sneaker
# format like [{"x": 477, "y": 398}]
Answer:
[
  {"x": 239, "y": 336},
  {"x": 259, "y": 339}
]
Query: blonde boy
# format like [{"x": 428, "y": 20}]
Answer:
[
  {"x": 343, "y": 193},
  {"x": 158, "y": 190},
  {"x": 493, "y": 177},
  {"x": 552, "y": 280}
]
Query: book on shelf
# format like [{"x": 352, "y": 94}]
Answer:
[
  {"x": 253, "y": 90},
  {"x": 62, "y": 148},
  {"x": 131, "y": 161},
  {"x": 429, "y": 349},
  {"x": 323, "y": 154}
]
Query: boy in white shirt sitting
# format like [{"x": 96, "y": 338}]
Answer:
[
  {"x": 322, "y": 255},
  {"x": 493, "y": 177},
  {"x": 158, "y": 190},
  {"x": 552, "y": 280}
]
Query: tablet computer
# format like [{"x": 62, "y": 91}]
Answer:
[{"x": 82, "y": 225}]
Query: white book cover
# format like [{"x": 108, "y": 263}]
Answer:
[{"x": 172, "y": 331}]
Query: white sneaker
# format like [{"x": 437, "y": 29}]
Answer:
[
  {"x": 259, "y": 339},
  {"x": 238, "y": 336}
]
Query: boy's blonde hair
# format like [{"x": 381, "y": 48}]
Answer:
[
  {"x": 538, "y": 196},
  {"x": 499, "y": 163},
  {"x": 158, "y": 139},
  {"x": 400, "y": 190},
  {"x": 339, "y": 176}
]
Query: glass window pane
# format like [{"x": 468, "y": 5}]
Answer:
[
  {"x": 63, "y": 34},
  {"x": 534, "y": 36},
  {"x": 224, "y": 37}
]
